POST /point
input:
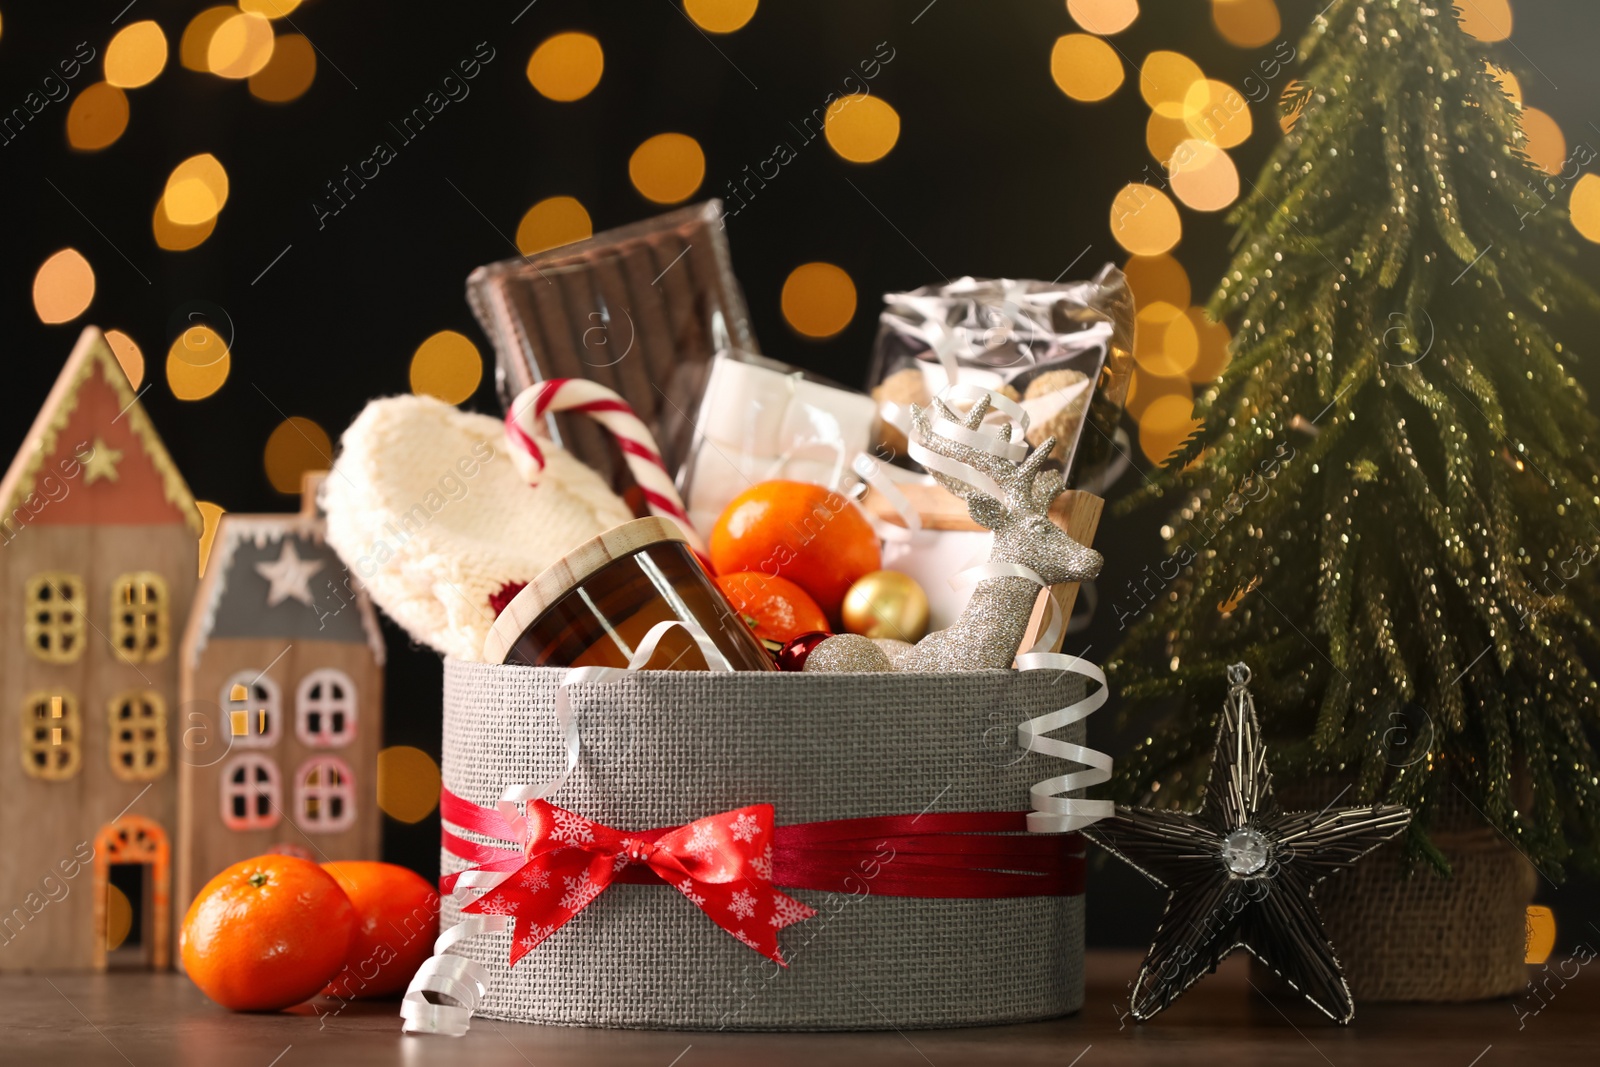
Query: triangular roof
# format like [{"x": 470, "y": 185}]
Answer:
[
  {"x": 234, "y": 598},
  {"x": 93, "y": 368}
]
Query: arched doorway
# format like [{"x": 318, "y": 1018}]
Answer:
[{"x": 136, "y": 842}]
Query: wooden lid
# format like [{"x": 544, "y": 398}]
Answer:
[{"x": 569, "y": 572}]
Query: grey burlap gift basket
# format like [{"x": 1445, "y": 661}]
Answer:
[{"x": 662, "y": 749}]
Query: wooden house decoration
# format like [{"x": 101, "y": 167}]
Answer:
[
  {"x": 98, "y": 559},
  {"x": 284, "y": 659}
]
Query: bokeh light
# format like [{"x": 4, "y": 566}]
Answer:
[
  {"x": 296, "y": 445},
  {"x": 1164, "y": 82},
  {"x": 288, "y": 74},
  {"x": 1165, "y": 342},
  {"x": 1585, "y": 207},
  {"x": 210, "y": 518},
  {"x": 1508, "y": 83},
  {"x": 667, "y": 168},
  {"x": 63, "y": 287},
  {"x": 1246, "y": 23},
  {"x": 240, "y": 47},
  {"x": 196, "y": 190},
  {"x": 408, "y": 783},
  {"x": 271, "y": 9},
  {"x": 1144, "y": 220},
  {"x": 1166, "y": 423},
  {"x": 1546, "y": 145},
  {"x": 136, "y": 55},
  {"x": 861, "y": 128},
  {"x": 1214, "y": 339},
  {"x": 197, "y": 363},
  {"x": 720, "y": 16},
  {"x": 446, "y": 365},
  {"x": 194, "y": 46},
  {"x": 1216, "y": 112},
  {"x": 1203, "y": 176},
  {"x": 119, "y": 917},
  {"x": 129, "y": 356},
  {"x": 97, "y": 117},
  {"x": 819, "y": 299},
  {"x": 1085, "y": 67},
  {"x": 566, "y": 66},
  {"x": 1541, "y": 935},
  {"x": 1153, "y": 278},
  {"x": 553, "y": 221},
  {"x": 1487, "y": 20},
  {"x": 1293, "y": 90},
  {"x": 1103, "y": 16},
  {"x": 1163, "y": 135},
  {"x": 1146, "y": 388},
  {"x": 174, "y": 238}
]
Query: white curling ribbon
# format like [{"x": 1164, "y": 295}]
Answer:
[
  {"x": 999, "y": 401},
  {"x": 871, "y": 471},
  {"x": 465, "y": 981}
]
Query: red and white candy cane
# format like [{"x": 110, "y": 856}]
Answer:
[{"x": 526, "y": 425}]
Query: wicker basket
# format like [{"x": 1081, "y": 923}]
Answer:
[{"x": 664, "y": 748}]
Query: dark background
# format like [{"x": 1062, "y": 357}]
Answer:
[{"x": 996, "y": 173}]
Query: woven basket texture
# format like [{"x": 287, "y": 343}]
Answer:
[{"x": 664, "y": 748}]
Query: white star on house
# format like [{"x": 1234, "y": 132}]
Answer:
[{"x": 290, "y": 576}]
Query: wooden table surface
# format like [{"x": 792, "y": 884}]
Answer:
[{"x": 148, "y": 1020}]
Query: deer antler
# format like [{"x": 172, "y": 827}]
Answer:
[{"x": 1018, "y": 481}]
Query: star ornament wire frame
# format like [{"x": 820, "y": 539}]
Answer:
[{"x": 1240, "y": 873}]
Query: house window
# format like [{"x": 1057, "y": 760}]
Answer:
[
  {"x": 51, "y": 738},
  {"x": 138, "y": 745},
  {"x": 54, "y": 628},
  {"x": 325, "y": 709},
  {"x": 325, "y": 796},
  {"x": 250, "y": 793},
  {"x": 139, "y": 617},
  {"x": 251, "y": 700}
]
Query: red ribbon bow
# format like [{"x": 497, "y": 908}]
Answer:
[{"x": 722, "y": 863}]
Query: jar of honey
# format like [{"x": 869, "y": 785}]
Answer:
[{"x": 595, "y": 605}]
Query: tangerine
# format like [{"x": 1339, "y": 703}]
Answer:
[
  {"x": 267, "y": 933},
  {"x": 816, "y": 538},
  {"x": 397, "y": 921},
  {"x": 775, "y": 608}
]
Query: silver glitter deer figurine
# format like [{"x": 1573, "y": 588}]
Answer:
[{"x": 991, "y": 628}]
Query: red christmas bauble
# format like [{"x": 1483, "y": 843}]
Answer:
[{"x": 792, "y": 656}]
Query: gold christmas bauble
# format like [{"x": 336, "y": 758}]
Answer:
[{"x": 886, "y": 604}]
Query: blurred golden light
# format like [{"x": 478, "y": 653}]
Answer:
[
  {"x": 1146, "y": 388},
  {"x": 1546, "y": 145},
  {"x": 408, "y": 783},
  {"x": 1487, "y": 20},
  {"x": 1164, "y": 82},
  {"x": 1165, "y": 425},
  {"x": 1103, "y": 16},
  {"x": 136, "y": 55},
  {"x": 196, "y": 190},
  {"x": 667, "y": 168},
  {"x": 1541, "y": 935},
  {"x": 63, "y": 286},
  {"x": 819, "y": 299},
  {"x": 1508, "y": 83},
  {"x": 197, "y": 363},
  {"x": 129, "y": 357},
  {"x": 271, "y": 9},
  {"x": 720, "y": 16},
  {"x": 210, "y": 518},
  {"x": 567, "y": 66},
  {"x": 289, "y": 72},
  {"x": 1203, "y": 176},
  {"x": 1144, "y": 220},
  {"x": 1163, "y": 135},
  {"x": 295, "y": 446},
  {"x": 447, "y": 365},
  {"x": 176, "y": 238},
  {"x": 1153, "y": 278},
  {"x": 1585, "y": 207},
  {"x": 1287, "y": 119},
  {"x": 1215, "y": 111},
  {"x": 119, "y": 917},
  {"x": 195, "y": 44},
  {"x": 1085, "y": 67},
  {"x": 553, "y": 221},
  {"x": 97, "y": 117},
  {"x": 1246, "y": 23},
  {"x": 1214, "y": 339},
  {"x": 861, "y": 128},
  {"x": 241, "y": 46},
  {"x": 1165, "y": 342}
]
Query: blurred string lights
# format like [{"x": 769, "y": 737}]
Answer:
[{"x": 1192, "y": 124}]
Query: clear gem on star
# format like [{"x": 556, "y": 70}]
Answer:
[{"x": 1244, "y": 851}]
